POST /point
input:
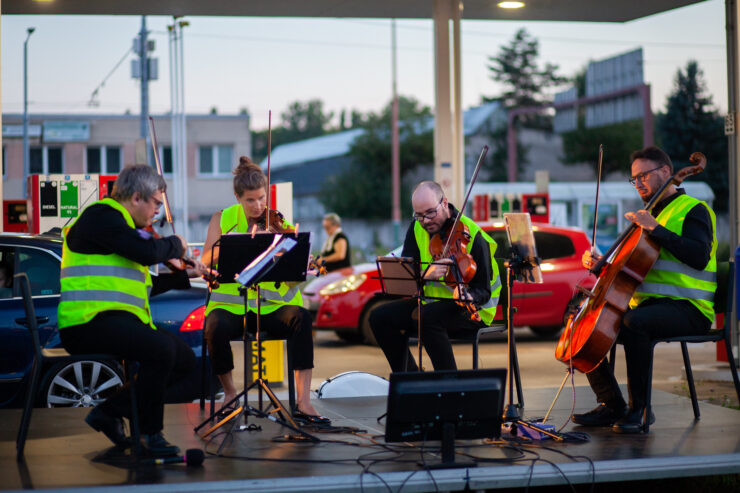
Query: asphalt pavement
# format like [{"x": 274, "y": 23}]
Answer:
[{"x": 538, "y": 366}]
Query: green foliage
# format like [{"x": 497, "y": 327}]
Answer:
[
  {"x": 619, "y": 140},
  {"x": 300, "y": 120},
  {"x": 364, "y": 189},
  {"x": 691, "y": 124},
  {"x": 516, "y": 67}
]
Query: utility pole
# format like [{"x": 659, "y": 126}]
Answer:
[
  {"x": 26, "y": 149},
  {"x": 395, "y": 144},
  {"x": 144, "y": 84}
]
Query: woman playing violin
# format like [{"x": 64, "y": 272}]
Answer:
[
  {"x": 281, "y": 315},
  {"x": 392, "y": 322},
  {"x": 674, "y": 299}
]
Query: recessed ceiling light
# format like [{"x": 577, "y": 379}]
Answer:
[{"x": 511, "y": 5}]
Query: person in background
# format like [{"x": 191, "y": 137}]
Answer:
[{"x": 335, "y": 252}]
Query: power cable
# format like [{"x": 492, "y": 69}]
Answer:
[{"x": 94, "y": 94}]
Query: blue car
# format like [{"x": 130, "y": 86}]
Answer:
[{"x": 89, "y": 382}]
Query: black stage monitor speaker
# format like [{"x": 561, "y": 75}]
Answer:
[{"x": 445, "y": 405}]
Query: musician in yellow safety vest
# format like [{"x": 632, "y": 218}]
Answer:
[{"x": 281, "y": 307}]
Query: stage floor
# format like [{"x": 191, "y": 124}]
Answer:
[{"x": 61, "y": 448}]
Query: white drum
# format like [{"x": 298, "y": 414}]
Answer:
[{"x": 353, "y": 384}]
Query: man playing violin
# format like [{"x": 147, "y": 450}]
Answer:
[
  {"x": 675, "y": 298},
  {"x": 394, "y": 321},
  {"x": 104, "y": 306},
  {"x": 281, "y": 309}
]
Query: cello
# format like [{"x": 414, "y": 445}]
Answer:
[{"x": 593, "y": 329}]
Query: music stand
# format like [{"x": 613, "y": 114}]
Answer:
[
  {"x": 403, "y": 277},
  {"x": 524, "y": 266},
  {"x": 257, "y": 271}
]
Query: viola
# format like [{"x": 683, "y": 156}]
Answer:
[
  {"x": 453, "y": 244},
  {"x": 592, "y": 330}
]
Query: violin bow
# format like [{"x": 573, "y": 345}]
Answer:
[
  {"x": 155, "y": 146},
  {"x": 482, "y": 156},
  {"x": 596, "y": 205},
  {"x": 269, "y": 145}
]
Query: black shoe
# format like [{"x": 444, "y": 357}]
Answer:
[
  {"x": 632, "y": 422},
  {"x": 310, "y": 419},
  {"x": 157, "y": 445},
  {"x": 601, "y": 415},
  {"x": 110, "y": 426}
]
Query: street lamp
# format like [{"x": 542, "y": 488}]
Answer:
[{"x": 26, "y": 151}]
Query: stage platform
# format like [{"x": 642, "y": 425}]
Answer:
[{"x": 61, "y": 449}]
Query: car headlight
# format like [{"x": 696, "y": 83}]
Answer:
[{"x": 349, "y": 283}]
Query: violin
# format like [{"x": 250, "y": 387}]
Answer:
[
  {"x": 456, "y": 239},
  {"x": 593, "y": 329}
]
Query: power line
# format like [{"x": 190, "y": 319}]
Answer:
[{"x": 93, "y": 102}]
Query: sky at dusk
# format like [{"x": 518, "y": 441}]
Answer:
[{"x": 266, "y": 63}]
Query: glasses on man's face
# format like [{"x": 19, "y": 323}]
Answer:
[
  {"x": 642, "y": 176},
  {"x": 428, "y": 215},
  {"x": 157, "y": 203}
]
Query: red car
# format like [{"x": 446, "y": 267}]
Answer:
[{"x": 342, "y": 300}]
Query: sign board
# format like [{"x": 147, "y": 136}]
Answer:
[
  {"x": 16, "y": 131},
  {"x": 566, "y": 119},
  {"x": 610, "y": 75},
  {"x": 66, "y": 131}
]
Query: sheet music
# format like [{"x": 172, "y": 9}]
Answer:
[{"x": 256, "y": 266}]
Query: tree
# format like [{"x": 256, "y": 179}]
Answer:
[
  {"x": 516, "y": 67},
  {"x": 524, "y": 82},
  {"x": 690, "y": 124},
  {"x": 364, "y": 188},
  {"x": 299, "y": 121}
]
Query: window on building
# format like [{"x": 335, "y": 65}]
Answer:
[
  {"x": 215, "y": 160},
  {"x": 46, "y": 160},
  {"x": 4, "y": 154},
  {"x": 167, "y": 160},
  {"x": 105, "y": 160}
]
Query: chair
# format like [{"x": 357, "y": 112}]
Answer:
[
  {"x": 722, "y": 304},
  {"x": 43, "y": 357},
  {"x": 494, "y": 328}
]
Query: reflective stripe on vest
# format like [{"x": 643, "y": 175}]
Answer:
[
  {"x": 95, "y": 283},
  {"x": 441, "y": 290},
  {"x": 671, "y": 278},
  {"x": 227, "y": 296}
]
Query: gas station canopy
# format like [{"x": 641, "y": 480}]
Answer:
[{"x": 539, "y": 10}]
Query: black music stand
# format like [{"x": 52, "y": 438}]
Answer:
[
  {"x": 402, "y": 277},
  {"x": 524, "y": 266},
  {"x": 255, "y": 272}
]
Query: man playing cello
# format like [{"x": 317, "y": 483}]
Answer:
[{"x": 674, "y": 299}]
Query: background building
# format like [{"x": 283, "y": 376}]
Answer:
[{"x": 103, "y": 144}]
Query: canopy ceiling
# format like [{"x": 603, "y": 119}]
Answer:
[{"x": 544, "y": 10}]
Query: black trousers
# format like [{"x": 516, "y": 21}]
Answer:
[
  {"x": 289, "y": 322},
  {"x": 392, "y": 323},
  {"x": 164, "y": 360},
  {"x": 653, "y": 319}
]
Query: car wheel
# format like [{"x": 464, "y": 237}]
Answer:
[
  {"x": 367, "y": 332},
  {"x": 348, "y": 336},
  {"x": 83, "y": 383}
]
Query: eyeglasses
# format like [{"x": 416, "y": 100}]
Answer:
[
  {"x": 641, "y": 176},
  {"x": 428, "y": 215},
  {"x": 157, "y": 203}
]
